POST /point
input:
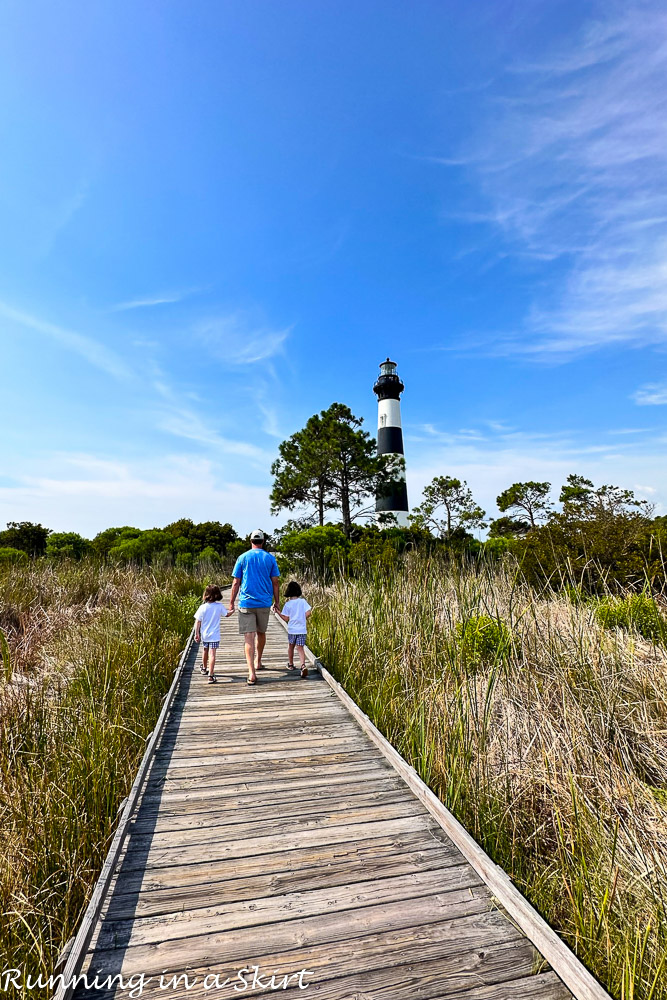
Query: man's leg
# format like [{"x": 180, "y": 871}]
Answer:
[
  {"x": 261, "y": 643},
  {"x": 249, "y": 638}
]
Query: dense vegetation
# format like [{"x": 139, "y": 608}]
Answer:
[
  {"x": 88, "y": 654},
  {"x": 540, "y": 720}
]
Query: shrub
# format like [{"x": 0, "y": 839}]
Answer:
[
  {"x": 208, "y": 555},
  {"x": 637, "y": 611},
  {"x": 12, "y": 556},
  {"x": 67, "y": 545},
  {"x": 482, "y": 640}
]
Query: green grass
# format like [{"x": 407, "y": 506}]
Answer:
[
  {"x": 92, "y": 653},
  {"x": 544, "y": 732}
]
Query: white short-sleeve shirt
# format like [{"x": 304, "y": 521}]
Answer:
[
  {"x": 295, "y": 610},
  {"x": 209, "y": 614}
]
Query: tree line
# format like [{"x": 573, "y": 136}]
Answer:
[
  {"x": 182, "y": 543},
  {"x": 328, "y": 475}
]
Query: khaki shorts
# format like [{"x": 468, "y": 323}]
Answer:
[{"x": 253, "y": 619}]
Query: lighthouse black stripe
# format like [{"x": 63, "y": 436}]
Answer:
[
  {"x": 396, "y": 500},
  {"x": 390, "y": 441}
]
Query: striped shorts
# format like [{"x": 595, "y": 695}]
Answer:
[
  {"x": 211, "y": 645},
  {"x": 297, "y": 640}
]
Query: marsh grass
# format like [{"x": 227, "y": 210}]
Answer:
[
  {"x": 92, "y": 652},
  {"x": 552, "y": 751}
]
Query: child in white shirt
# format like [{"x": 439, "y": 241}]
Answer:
[
  {"x": 296, "y": 612},
  {"x": 207, "y": 628}
]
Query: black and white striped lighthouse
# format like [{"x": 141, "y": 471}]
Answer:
[{"x": 388, "y": 389}]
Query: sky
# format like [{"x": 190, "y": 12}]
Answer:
[{"x": 217, "y": 218}]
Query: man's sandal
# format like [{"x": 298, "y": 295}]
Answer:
[
  {"x": 251, "y": 681},
  {"x": 304, "y": 672},
  {"x": 290, "y": 666}
]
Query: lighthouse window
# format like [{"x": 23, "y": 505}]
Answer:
[
  {"x": 388, "y": 368},
  {"x": 383, "y": 420}
]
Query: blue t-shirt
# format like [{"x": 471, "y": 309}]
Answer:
[{"x": 254, "y": 569}]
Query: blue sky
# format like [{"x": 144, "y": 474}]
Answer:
[{"x": 216, "y": 218}]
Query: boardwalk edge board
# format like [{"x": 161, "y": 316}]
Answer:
[
  {"x": 76, "y": 953},
  {"x": 581, "y": 983}
]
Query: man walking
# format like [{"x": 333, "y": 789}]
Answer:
[{"x": 257, "y": 576}]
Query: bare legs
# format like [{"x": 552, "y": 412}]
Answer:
[
  {"x": 249, "y": 638},
  {"x": 208, "y": 659},
  {"x": 290, "y": 654},
  {"x": 254, "y": 640},
  {"x": 261, "y": 643}
]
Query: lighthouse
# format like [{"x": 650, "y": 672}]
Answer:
[{"x": 388, "y": 389}]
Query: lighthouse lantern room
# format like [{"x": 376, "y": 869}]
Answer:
[{"x": 388, "y": 389}]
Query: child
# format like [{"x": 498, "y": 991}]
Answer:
[
  {"x": 208, "y": 627},
  {"x": 296, "y": 612}
]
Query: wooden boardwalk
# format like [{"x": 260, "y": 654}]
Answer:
[{"x": 273, "y": 832}]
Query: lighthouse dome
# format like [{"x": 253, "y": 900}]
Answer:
[{"x": 388, "y": 385}]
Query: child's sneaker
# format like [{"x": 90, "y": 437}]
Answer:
[{"x": 212, "y": 679}]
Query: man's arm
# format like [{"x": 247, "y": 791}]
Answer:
[
  {"x": 275, "y": 580},
  {"x": 235, "y": 589}
]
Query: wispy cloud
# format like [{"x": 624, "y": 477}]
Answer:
[
  {"x": 185, "y": 423},
  {"x": 654, "y": 394},
  {"x": 572, "y": 164},
  {"x": 158, "y": 299},
  {"x": 86, "y": 493},
  {"x": 241, "y": 338},
  {"x": 494, "y": 459},
  {"x": 86, "y": 347}
]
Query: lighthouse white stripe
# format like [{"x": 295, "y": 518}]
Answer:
[{"x": 389, "y": 413}]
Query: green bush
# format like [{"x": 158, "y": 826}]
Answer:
[
  {"x": 637, "y": 611},
  {"x": 209, "y": 555},
  {"x": 12, "y": 556},
  {"x": 482, "y": 640}
]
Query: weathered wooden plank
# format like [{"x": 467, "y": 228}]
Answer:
[
  {"x": 361, "y": 856},
  {"x": 267, "y": 910},
  {"x": 546, "y": 986},
  {"x": 269, "y": 759},
  {"x": 220, "y": 849},
  {"x": 448, "y": 975},
  {"x": 234, "y": 752},
  {"x": 276, "y": 794},
  {"x": 276, "y": 830},
  {"x": 293, "y": 935},
  {"x": 214, "y": 826},
  {"x": 329, "y": 959},
  {"x": 298, "y": 778},
  {"x": 192, "y": 886},
  {"x": 204, "y": 812}
]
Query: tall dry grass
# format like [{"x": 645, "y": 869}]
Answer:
[
  {"x": 547, "y": 739},
  {"x": 90, "y": 652}
]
